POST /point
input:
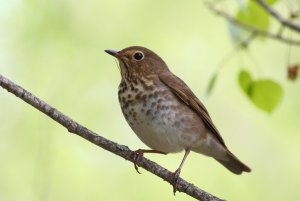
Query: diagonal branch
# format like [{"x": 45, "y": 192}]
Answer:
[
  {"x": 284, "y": 21},
  {"x": 250, "y": 28},
  {"x": 120, "y": 150}
]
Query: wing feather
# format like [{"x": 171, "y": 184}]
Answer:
[{"x": 184, "y": 93}]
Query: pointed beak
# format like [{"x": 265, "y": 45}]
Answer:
[{"x": 113, "y": 53}]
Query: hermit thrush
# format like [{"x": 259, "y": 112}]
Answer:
[{"x": 164, "y": 113}]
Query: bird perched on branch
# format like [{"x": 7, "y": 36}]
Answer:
[{"x": 164, "y": 112}]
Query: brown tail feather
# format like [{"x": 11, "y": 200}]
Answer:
[{"x": 234, "y": 164}]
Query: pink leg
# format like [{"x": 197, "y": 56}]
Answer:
[
  {"x": 138, "y": 154},
  {"x": 177, "y": 172}
]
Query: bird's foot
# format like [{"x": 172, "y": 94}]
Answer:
[
  {"x": 137, "y": 157},
  {"x": 175, "y": 179}
]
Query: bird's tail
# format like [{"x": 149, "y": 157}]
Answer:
[{"x": 232, "y": 163}]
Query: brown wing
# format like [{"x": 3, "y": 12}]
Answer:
[{"x": 184, "y": 93}]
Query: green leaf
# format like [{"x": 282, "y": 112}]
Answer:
[
  {"x": 211, "y": 84},
  {"x": 271, "y": 2},
  {"x": 254, "y": 15},
  {"x": 265, "y": 94},
  {"x": 245, "y": 81}
]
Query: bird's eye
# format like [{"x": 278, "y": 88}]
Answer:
[{"x": 138, "y": 56}]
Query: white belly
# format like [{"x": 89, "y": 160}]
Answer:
[{"x": 156, "y": 129}]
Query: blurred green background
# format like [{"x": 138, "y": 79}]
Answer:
[{"x": 55, "y": 50}]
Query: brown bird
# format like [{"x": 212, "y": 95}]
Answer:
[{"x": 164, "y": 112}]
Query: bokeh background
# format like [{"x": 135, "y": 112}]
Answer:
[{"x": 55, "y": 50}]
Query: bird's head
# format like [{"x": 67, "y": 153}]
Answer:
[{"x": 138, "y": 61}]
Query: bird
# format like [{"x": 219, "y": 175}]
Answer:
[{"x": 164, "y": 112}]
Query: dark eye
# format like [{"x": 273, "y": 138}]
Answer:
[{"x": 138, "y": 55}]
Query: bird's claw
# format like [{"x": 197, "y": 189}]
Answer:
[
  {"x": 137, "y": 156},
  {"x": 175, "y": 180}
]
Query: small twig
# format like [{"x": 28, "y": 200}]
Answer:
[
  {"x": 120, "y": 150},
  {"x": 247, "y": 41},
  {"x": 280, "y": 30},
  {"x": 250, "y": 28},
  {"x": 284, "y": 21}
]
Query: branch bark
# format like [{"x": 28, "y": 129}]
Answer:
[
  {"x": 249, "y": 28},
  {"x": 120, "y": 150}
]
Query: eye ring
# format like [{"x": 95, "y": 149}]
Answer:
[{"x": 138, "y": 55}]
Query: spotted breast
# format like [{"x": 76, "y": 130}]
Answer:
[{"x": 156, "y": 117}]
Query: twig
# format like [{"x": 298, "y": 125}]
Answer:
[
  {"x": 284, "y": 21},
  {"x": 252, "y": 29},
  {"x": 120, "y": 150}
]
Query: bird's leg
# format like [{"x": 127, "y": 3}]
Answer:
[
  {"x": 177, "y": 172},
  {"x": 138, "y": 154}
]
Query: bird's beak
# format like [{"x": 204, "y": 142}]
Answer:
[{"x": 113, "y": 53}]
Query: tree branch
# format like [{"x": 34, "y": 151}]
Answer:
[
  {"x": 284, "y": 21},
  {"x": 120, "y": 150},
  {"x": 249, "y": 28}
]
